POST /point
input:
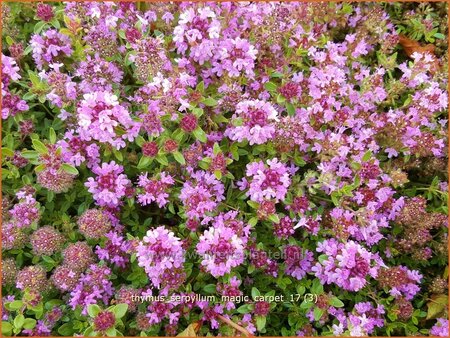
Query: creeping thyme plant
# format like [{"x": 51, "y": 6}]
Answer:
[{"x": 224, "y": 168}]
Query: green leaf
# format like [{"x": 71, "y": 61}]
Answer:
[
  {"x": 6, "y": 152},
  {"x": 197, "y": 112},
  {"x": 19, "y": 321},
  {"x": 34, "y": 78},
  {"x": 111, "y": 332},
  {"x": 15, "y": 305},
  {"x": 200, "y": 87},
  {"x": 334, "y": 198},
  {"x": 179, "y": 157},
  {"x": 246, "y": 308},
  {"x": 276, "y": 75},
  {"x": 318, "y": 313},
  {"x": 210, "y": 288},
  {"x": 436, "y": 306},
  {"x": 260, "y": 322},
  {"x": 120, "y": 310},
  {"x": 216, "y": 148},
  {"x": 210, "y": 102},
  {"x": 322, "y": 258},
  {"x": 93, "y": 310},
  {"x": 144, "y": 162},
  {"x": 200, "y": 134},
  {"x": 255, "y": 293},
  {"x": 162, "y": 159},
  {"x": 253, "y": 221},
  {"x": 29, "y": 323},
  {"x": 52, "y": 135},
  {"x": 218, "y": 174},
  {"x": 9, "y": 40},
  {"x": 39, "y": 168},
  {"x": 336, "y": 302},
  {"x": 69, "y": 169},
  {"x": 89, "y": 332},
  {"x": 139, "y": 140},
  {"x": 117, "y": 154},
  {"x": 290, "y": 109},
  {"x": 274, "y": 218},
  {"x": 39, "y": 26},
  {"x": 270, "y": 86},
  {"x": 367, "y": 156},
  {"x": 317, "y": 287},
  {"x": 190, "y": 331},
  {"x": 40, "y": 147},
  {"x": 28, "y": 50},
  {"x": 30, "y": 154},
  {"x": 6, "y": 329},
  {"x": 253, "y": 204},
  {"x": 439, "y": 36}
]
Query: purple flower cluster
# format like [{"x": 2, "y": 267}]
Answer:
[
  {"x": 116, "y": 250},
  {"x": 253, "y": 121},
  {"x": 268, "y": 182},
  {"x": 50, "y": 47},
  {"x": 222, "y": 245},
  {"x": 201, "y": 194},
  {"x": 92, "y": 287},
  {"x": 110, "y": 184},
  {"x": 161, "y": 255},
  {"x": 346, "y": 264},
  {"x": 228, "y": 148},
  {"x": 154, "y": 190},
  {"x": 100, "y": 116}
]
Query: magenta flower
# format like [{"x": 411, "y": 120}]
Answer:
[
  {"x": 440, "y": 329},
  {"x": 76, "y": 151},
  {"x": 298, "y": 263},
  {"x": 98, "y": 75},
  {"x": 110, "y": 184},
  {"x": 93, "y": 287},
  {"x": 10, "y": 70},
  {"x": 221, "y": 249},
  {"x": 201, "y": 194},
  {"x": 197, "y": 31},
  {"x": 235, "y": 56},
  {"x": 116, "y": 250},
  {"x": 49, "y": 47},
  {"x": 161, "y": 253},
  {"x": 154, "y": 190},
  {"x": 100, "y": 116},
  {"x": 253, "y": 121},
  {"x": 26, "y": 212},
  {"x": 268, "y": 182},
  {"x": 346, "y": 265}
]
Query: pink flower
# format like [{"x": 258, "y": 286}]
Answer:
[
  {"x": 202, "y": 194},
  {"x": 235, "y": 56},
  {"x": 347, "y": 265},
  {"x": 161, "y": 254},
  {"x": 93, "y": 287},
  {"x": 109, "y": 186},
  {"x": 221, "y": 249},
  {"x": 76, "y": 151},
  {"x": 49, "y": 46},
  {"x": 253, "y": 121},
  {"x": 10, "y": 68},
  {"x": 154, "y": 190},
  {"x": 26, "y": 212},
  {"x": 100, "y": 116},
  {"x": 268, "y": 182}
]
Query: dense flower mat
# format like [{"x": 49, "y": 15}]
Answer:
[{"x": 224, "y": 169}]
